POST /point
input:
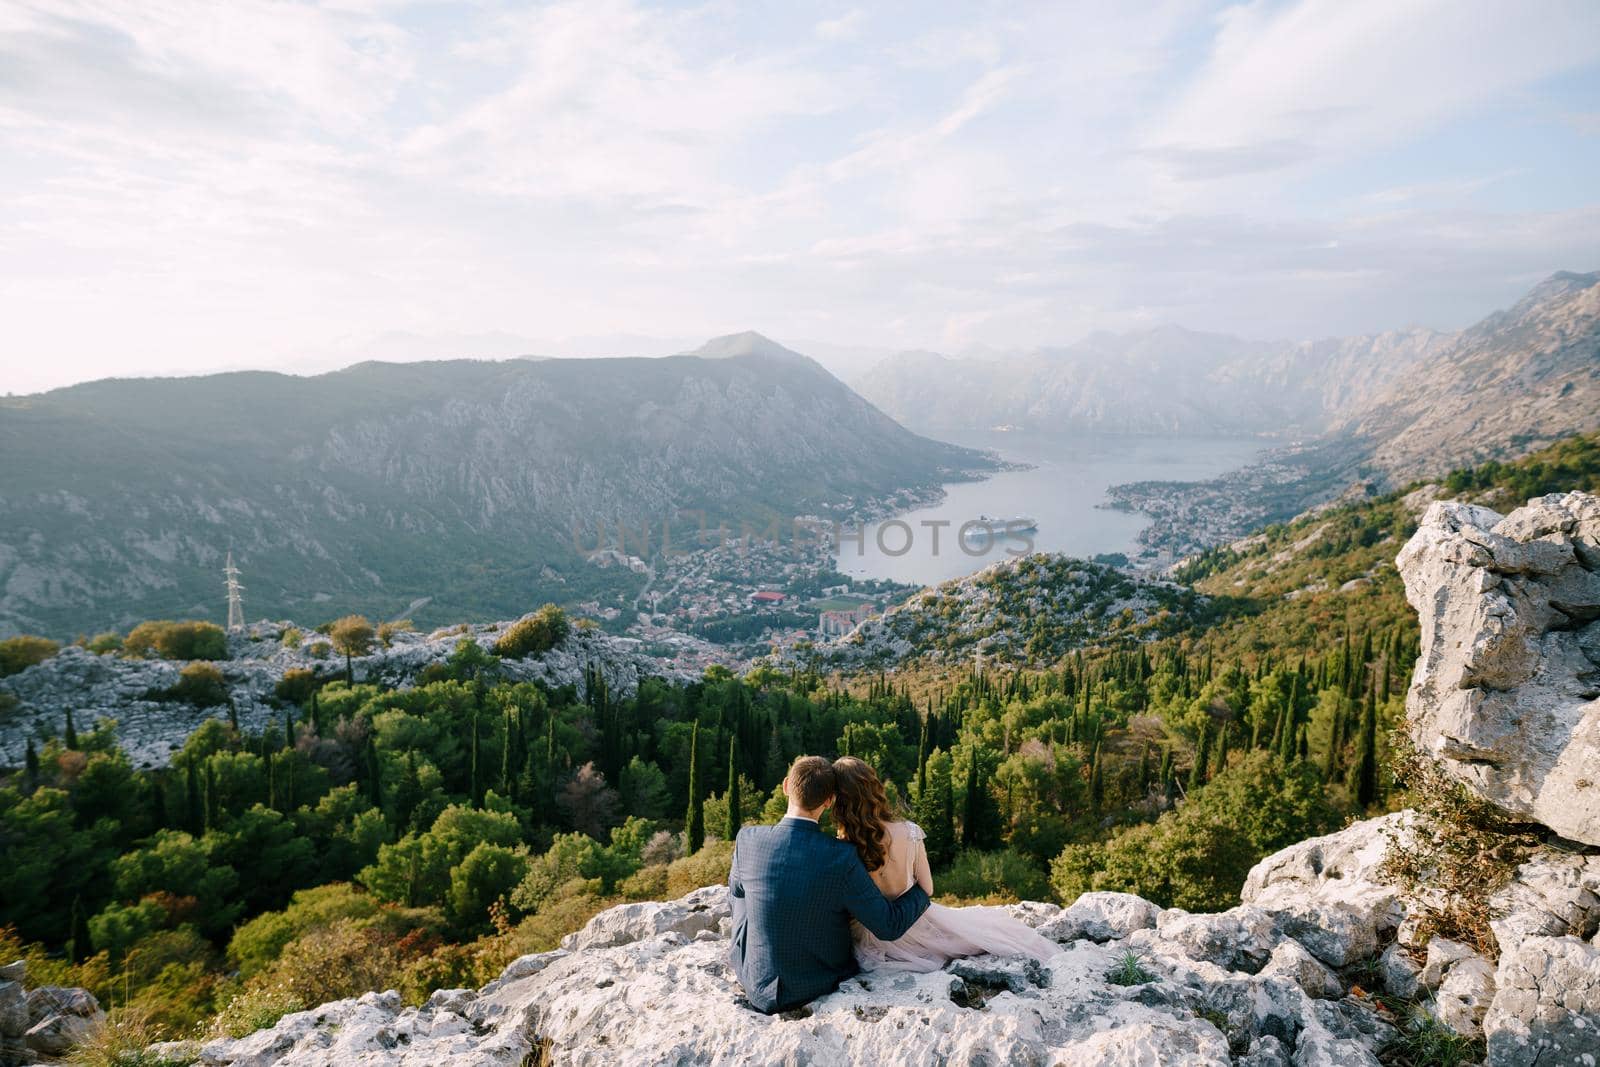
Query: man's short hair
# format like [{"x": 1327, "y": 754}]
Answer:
[{"x": 811, "y": 782}]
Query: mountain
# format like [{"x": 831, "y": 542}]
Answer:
[
  {"x": 1164, "y": 380},
  {"x": 476, "y": 484},
  {"x": 1406, "y": 403},
  {"x": 1518, "y": 380}
]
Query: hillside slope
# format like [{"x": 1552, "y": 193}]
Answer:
[{"x": 476, "y": 484}]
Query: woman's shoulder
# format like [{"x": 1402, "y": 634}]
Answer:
[{"x": 907, "y": 829}]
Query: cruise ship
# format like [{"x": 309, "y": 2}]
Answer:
[{"x": 987, "y": 527}]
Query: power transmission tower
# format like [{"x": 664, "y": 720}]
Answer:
[{"x": 235, "y": 601}]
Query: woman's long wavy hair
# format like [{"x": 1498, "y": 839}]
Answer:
[{"x": 861, "y": 808}]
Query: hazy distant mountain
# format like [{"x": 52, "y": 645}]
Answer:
[
  {"x": 1514, "y": 382},
  {"x": 1164, "y": 380},
  {"x": 372, "y": 486},
  {"x": 1411, "y": 401}
]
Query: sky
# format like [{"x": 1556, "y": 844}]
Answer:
[{"x": 193, "y": 186}]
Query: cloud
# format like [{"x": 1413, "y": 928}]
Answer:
[
  {"x": 186, "y": 184},
  {"x": 1287, "y": 84},
  {"x": 847, "y": 27}
]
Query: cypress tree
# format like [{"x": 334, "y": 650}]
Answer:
[
  {"x": 78, "y": 945},
  {"x": 922, "y": 755},
  {"x": 272, "y": 784},
  {"x": 1202, "y": 756},
  {"x": 288, "y": 731},
  {"x": 1220, "y": 764},
  {"x": 472, "y": 784},
  {"x": 194, "y": 813},
  {"x": 212, "y": 810},
  {"x": 969, "y": 807},
  {"x": 1330, "y": 758},
  {"x": 947, "y": 811},
  {"x": 71, "y": 736},
  {"x": 694, "y": 821},
  {"x": 735, "y": 812},
  {"x": 374, "y": 774},
  {"x": 506, "y": 788},
  {"x": 1097, "y": 783},
  {"x": 1367, "y": 764},
  {"x": 30, "y": 779},
  {"x": 233, "y": 716},
  {"x": 407, "y": 795}
]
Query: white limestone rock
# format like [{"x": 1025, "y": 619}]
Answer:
[
  {"x": 1551, "y": 895},
  {"x": 1325, "y": 893},
  {"x": 1546, "y": 1009},
  {"x": 1505, "y": 692},
  {"x": 1240, "y": 939},
  {"x": 1291, "y": 960},
  {"x": 1464, "y": 995},
  {"x": 1443, "y": 954},
  {"x": 1101, "y": 917},
  {"x": 701, "y": 910}
]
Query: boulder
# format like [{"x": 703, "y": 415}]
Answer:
[
  {"x": 1291, "y": 960},
  {"x": 1463, "y": 997},
  {"x": 1101, "y": 917},
  {"x": 1443, "y": 954},
  {"x": 13, "y": 1010},
  {"x": 1504, "y": 693},
  {"x": 1240, "y": 939},
  {"x": 1546, "y": 1008},
  {"x": 1552, "y": 894},
  {"x": 1399, "y": 972},
  {"x": 701, "y": 910},
  {"x": 1325, "y": 892},
  {"x": 55, "y": 1035}
]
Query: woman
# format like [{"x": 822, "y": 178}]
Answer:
[{"x": 892, "y": 851}]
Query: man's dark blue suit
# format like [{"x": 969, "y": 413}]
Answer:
[{"x": 794, "y": 891}]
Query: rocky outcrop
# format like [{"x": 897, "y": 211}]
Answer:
[
  {"x": 1505, "y": 692},
  {"x": 42, "y": 1023},
  {"x": 1283, "y": 979},
  {"x": 151, "y": 728},
  {"x": 648, "y": 984}
]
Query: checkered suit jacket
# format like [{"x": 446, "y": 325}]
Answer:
[{"x": 794, "y": 891}]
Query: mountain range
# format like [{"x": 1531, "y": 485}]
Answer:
[
  {"x": 1403, "y": 400},
  {"x": 471, "y": 483}
]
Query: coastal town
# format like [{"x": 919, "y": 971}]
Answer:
[{"x": 736, "y": 595}]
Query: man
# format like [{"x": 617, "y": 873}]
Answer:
[{"x": 794, "y": 891}]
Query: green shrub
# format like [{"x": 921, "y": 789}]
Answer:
[
  {"x": 164, "y": 639},
  {"x": 100, "y": 644},
  {"x": 296, "y": 685},
  {"x": 1002, "y": 877},
  {"x": 387, "y": 630},
  {"x": 709, "y": 866},
  {"x": 534, "y": 634},
  {"x": 258, "y": 943},
  {"x": 255, "y": 1009},
  {"x": 1197, "y": 856},
  {"x": 292, "y": 637},
  {"x": 647, "y": 883},
  {"x": 20, "y": 653},
  {"x": 200, "y": 684}
]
